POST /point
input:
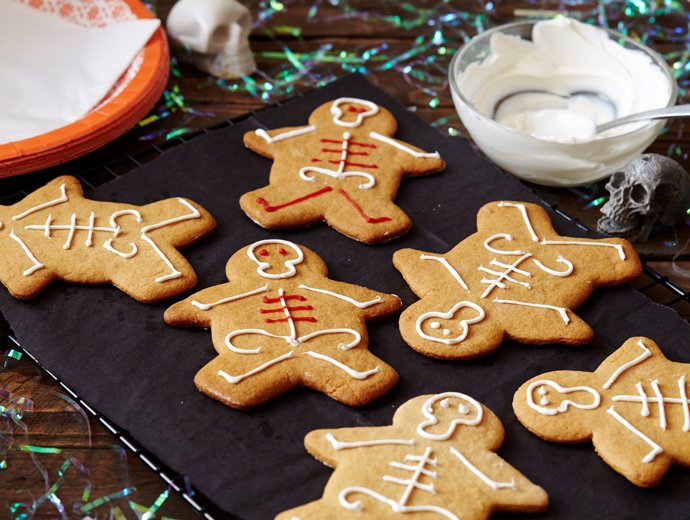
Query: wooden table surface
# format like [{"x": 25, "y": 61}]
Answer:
[{"x": 55, "y": 447}]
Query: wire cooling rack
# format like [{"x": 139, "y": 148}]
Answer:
[{"x": 652, "y": 283}]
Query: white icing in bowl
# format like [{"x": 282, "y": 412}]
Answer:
[{"x": 545, "y": 133}]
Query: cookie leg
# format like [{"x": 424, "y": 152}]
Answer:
[
  {"x": 247, "y": 381},
  {"x": 358, "y": 217},
  {"x": 276, "y": 208},
  {"x": 27, "y": 287},
  {"x": 354, "y": 377}
]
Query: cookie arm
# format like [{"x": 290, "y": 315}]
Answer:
[
  {"x": 373, "y": 304},
  {"x": 508, "y": 488},
  {"x": 328, "y": 445},
  {"x": 427, "y": 272},
  {"x": 416, "y": 161},
  {"x": 264, "y": 142}
]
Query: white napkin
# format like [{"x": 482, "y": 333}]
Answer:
[{"x": 53, "y": 72}]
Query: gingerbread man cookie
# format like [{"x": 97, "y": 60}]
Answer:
[
  {"x": 281, "y": 323},
  {"x": 437, "y": 461},
  {"x": 514, "y": 278},
  {"x": 57, "y": 234},
  {"x": 343, "y": 168},
  {"x": 634, "y": 407}
]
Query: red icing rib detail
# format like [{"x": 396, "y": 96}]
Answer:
[
  {"x": 352, "y": 143},
  {"x": 280, "y": 320},
  {"x": 262, "y": 202},
  {"x": 297, "y": 297},
  {"x": 331, "y": 150},
  {"x": 360, "y": 165},
  {"x": 314, "y": 159},
  {"x": 282, "y": 309},
  {"x": 370, "y": 220}
]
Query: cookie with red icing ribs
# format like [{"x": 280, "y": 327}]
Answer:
[
  {"x": 437, "y": 461},
  {"x": 343, "y": 168},
  {"x": 515, "y": 278},
  {"x": 57, "y": 234},
  {"x": 281, "y": 323}
]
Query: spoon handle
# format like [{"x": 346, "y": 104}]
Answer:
[{"x": 661, "y": 113}]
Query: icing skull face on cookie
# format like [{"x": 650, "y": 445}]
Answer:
[
  {"x": 280, "y": 312},
  {"x": 437, "y": 454},
  {"x": 635, "y": 396},
  {"x": 347, "y": 172},
  {"x": 275, "y": 258},
  {"x": 56, "y": 232},
  {"x": 514, "y": 267}
]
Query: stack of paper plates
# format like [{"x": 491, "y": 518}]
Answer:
[{"x": 130, "y": 99}]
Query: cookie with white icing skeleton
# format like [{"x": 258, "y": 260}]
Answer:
[
  {"x": 437, "y": 461},
  {"x": 281, "y": 323},
  {"x": 57, "y": 234},
  {"x": 634, "y": 407},
  {"x": 515, "y": 278},
  {"x": 343, "y": 168}
]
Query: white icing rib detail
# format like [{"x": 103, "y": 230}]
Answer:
[
  {"x": 37, "y": 265},
  {"x": 660, "y": 403},
  {"x": 686, "y": 405},
  {"x": 498, "y": 281},
  {"x": 89, "y": 236},
  {"x": 344, "y": 445},
  {"x": 464, "y": 324},
  {"x": 562, "y": 311},
  {"x": 406, "y": 149},
  {"x": 411, "y": 484},
  {"x": 285, "y": 135},
  {"x": 207, "y": 306},
  {"x": 525, "y": 217},
  {"x": 236, "y": 379},
  {"x": 174, "y": 273},
  {"x": 482, "y": 476},
  {"x": 453, "y": 272},
  {"x": 356, "y": 374},
  {"x": 618, "y": 247},
  {"x": 625, "y": 366},
  {"x": 70, "y": 235},
  {"x": 337, "y": 112},
  {"x": 118, "y": 214},
  {"x": 356, "y": 303},
  {"x": 656, "y": 449},
  {"x": 62, "y": 198}
]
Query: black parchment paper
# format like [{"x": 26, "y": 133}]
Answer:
[{"x": 124, "y": 361}]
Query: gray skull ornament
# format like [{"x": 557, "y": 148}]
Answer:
[{"x": 652, "y": 192}]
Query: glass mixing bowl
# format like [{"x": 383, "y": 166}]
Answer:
[{"x": 541, "y": 161}]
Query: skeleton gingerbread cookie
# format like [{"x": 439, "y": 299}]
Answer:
[
  {"x": 634, "y": 407},
  {"x": 437, "y": 461},
  {"x": 514, "y": 278},
  {"x": 57, "y": 234},
  {"x": 281, "y": 323},
  {"x": 343, "y": 168}
]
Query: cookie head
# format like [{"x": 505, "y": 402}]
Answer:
[
  {"x": 449, "y": 327},
  {"x": 444, "y": 413},
  {"x": 346, "y": 113},
  {"x": 275, "y": 258},
  {"x": 558, "y": 406}
]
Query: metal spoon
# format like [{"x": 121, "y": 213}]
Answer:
[{"x": 660, "y": 113}]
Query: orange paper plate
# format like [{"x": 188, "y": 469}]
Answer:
[{"x": 135, "y": 93}]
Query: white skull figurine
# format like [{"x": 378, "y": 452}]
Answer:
[
  {"x": 653, "y": 190},
  {"x": 217, "y": 33}
]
